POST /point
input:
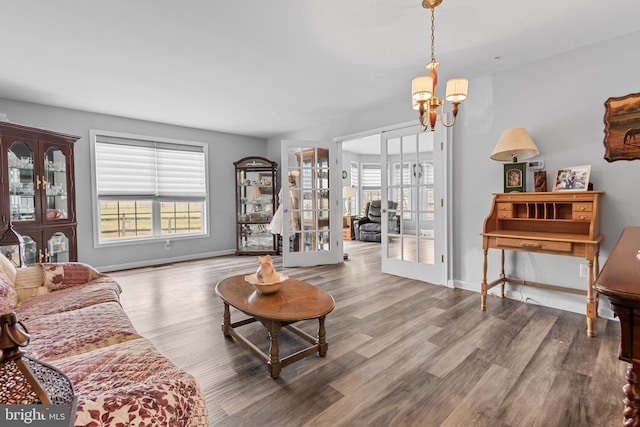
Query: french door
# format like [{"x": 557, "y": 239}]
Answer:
[
  {"x": 413, "y": 221},
  {"x": 312, "y": 216}
]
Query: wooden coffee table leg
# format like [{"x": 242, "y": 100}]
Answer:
[
  {"x": 322, "y": 338},
  {"x": 226, "y": 321},
  {"x": 274, "y": 351}
]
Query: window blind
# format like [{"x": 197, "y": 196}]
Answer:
[
  {"x": 371, "y": 175},
  {"x": 130, "y": 168},
  {"x": 355, "y": 181}
]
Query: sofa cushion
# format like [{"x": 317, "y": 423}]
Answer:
[
  {"x": 67, "y": 333},
  {"x": 8, "y": 294},
  {"x": 79, "y": 296},
  {"x": 9, "y": 269},
  {"x": 131, "y": 383},
  {"x": 66, "y": 274}
]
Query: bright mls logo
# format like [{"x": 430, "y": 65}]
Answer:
[{"x": 35, "y": 415}]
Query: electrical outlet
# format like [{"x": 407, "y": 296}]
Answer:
[{"x": 584, "y": 271}]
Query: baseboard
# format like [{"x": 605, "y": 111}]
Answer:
[
  {"x": 547, "y": 298},
  {"x": 160, "y": 261}
]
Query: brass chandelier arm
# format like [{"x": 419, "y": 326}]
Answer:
[{"x": 433, "y": 104}]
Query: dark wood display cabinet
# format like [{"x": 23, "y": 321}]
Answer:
[
  {"x": 255, "y": 205},
  {"x": 38, "y": 191}
]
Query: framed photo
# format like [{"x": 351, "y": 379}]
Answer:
[
  {"x": 573, "y": 178},
  {"x": 622, "y": 128},
  {"x": 515, "y": 177}
]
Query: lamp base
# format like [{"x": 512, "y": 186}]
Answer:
[{"x": 515, "y": 177}]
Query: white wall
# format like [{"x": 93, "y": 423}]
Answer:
[
  {"x": 560, "y": 101},
  {"x": 224, "y": 149}
]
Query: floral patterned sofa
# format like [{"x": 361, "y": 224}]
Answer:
[{"x": 76, "y": 324}]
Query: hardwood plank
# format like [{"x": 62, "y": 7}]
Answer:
[{"x": 401, "y": 352}]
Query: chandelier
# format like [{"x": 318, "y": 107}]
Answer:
[{"x": 423, "y": 88}]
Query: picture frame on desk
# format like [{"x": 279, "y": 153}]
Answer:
[
  {"x": 572, "y": 178},
  {"x": 515, "y": 177}
]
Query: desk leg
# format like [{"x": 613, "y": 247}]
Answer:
[
  {"x": 502, "y": 276},
  {"x": 596, "y": 271},
  {"x": 226, "y": 321},
  {"x": 274, "y": 351},
  {"x": 591, "y": 305},
  {"x": 322, "y": 338},
  {"x": 632, "y": 398},
  {"x": 483, "y": 286}
]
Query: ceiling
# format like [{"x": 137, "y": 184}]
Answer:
[{"x": 265, "y": 68}]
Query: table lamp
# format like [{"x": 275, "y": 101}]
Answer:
[
  {"x": 514, "y": 144},
  {"x": 348, "y": 192}
]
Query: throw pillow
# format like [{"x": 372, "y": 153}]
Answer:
[
  {"x": 7, "y": 292},
  {"x": 30, "y": 282},
  {"x": 53, "y": 276},
  {"x": 65, "y": 274},
  {"x": 77, "y": 273},
  {"x": 8, "y": 268}
]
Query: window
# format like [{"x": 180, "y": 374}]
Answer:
[
  {"x": 371, "y": 183},
  {"x": 355, "y": 183},
  {"x": 147, "y": 188}
]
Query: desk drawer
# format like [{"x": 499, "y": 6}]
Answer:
[
  {"x": 533, "y": 245},
  {"x": 583, "y": 207},
  {"x": 582, "y": 216},
  {"x": 505, "y": 210}
]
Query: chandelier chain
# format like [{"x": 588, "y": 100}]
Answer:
[{"x": 433, "y": 35}]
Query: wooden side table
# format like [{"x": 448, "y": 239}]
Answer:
[
  {"x": 348, "y": 229},
  {"x": 294, "y": 301},
  {"x": 620, "y": 282}
]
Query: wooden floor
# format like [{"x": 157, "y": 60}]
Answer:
[{"x": 401, "y": 352}]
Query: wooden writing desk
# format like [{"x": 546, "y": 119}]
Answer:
[
  {"x": 620, "y": 282},
  {"x": 559, "y": 223}
]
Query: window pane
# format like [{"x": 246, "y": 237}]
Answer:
[
  {"x": 181, "y": 218},
  {"x": 125, "y": 219}
]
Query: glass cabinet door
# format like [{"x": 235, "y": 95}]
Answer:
[
  {"x": 21, "y": 182},
  {"x": 55, "y": 184},
  {"x": 57, "y": 249},
  {"x": 30, "y": 250}
]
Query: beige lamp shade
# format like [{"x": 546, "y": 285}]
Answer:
[
  {"x": 421, "y": 88},
  {"x": 514, "y": 144},
  {"x": 348, "y": 191},
  {"x": 457, "y": 89}
]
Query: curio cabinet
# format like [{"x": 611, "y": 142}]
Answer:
[
  {"x": 38, "y": 191},
  {"x": 255, "y": 205}
]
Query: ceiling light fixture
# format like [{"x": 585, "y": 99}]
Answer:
[{"x": 423, "y": 88}]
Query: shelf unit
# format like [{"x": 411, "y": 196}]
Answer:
[
  {"x": 255, "y": 206},
  {"x": 38, "y": 191}
]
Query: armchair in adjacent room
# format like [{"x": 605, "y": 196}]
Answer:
[{"x": 369, "y": 227}]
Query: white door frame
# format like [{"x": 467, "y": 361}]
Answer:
[
  {"x": 333, "y": 254},
  {"x": 443, "y": 137}
]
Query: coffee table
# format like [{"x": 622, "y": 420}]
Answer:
[{"x": 294, "y": 301}]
